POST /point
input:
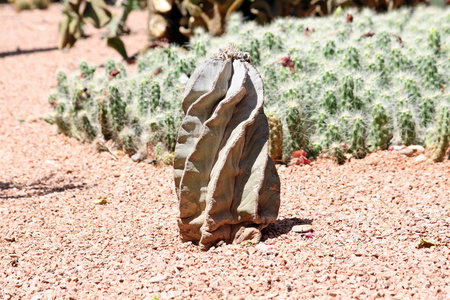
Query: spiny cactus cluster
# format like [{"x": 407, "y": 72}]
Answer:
[{"x": 331, "y": 87}]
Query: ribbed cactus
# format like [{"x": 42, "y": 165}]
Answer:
[
  {"x": 380, "y": 131},
  {"x": 438, "y": 140},
  {"x": 227, "y": 185},
  {"x": 407, "y": 127}
]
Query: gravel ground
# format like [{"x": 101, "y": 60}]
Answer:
[{"x": 368, "y": 216}]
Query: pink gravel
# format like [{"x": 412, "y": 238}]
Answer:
[{"x": 368, "y": 216}]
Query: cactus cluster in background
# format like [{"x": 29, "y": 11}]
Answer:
[{"x": 332, "y": 86}]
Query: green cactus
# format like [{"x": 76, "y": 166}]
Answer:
[
  {"x": 254, "y": 51},
  {"x": 62, "y": 118},
  {"x": 427, "y": 111},
  {"x": 412, "y": 90},
  {"x": 275, "y": 138},
  {"x": 321, "y": 119},
  {"x": 297, "y": 129},
  {"x": 199, "y": 49},
  {"x": 90, "y": 133},
  {"x": 329, "y": 101},
  {"x": 87, "y": 71},
  {"x": 126, "y": 138},
  {"x": 104, "y": 119},
  {"x": 397, "y": 60},
  {"x": 431, "y": 76},
  {"x": 110, "y": 66},
  {"x": 407, "y": 127},
  {"x": 329, "y": 78},
  {"x": 358, "y": 138},
  {"x": 348, "y": 99},
  {"x": 117, "y": 108},
  {"x": 62, "y": 84},
  {"x": 439, "y": 138},
  {"x": 332, "y": 133},
  {"x": 337, "y": 153},
  {"x": 380, "y": 131},
  {"x": 384, "y": 40},
  {"x": 171, "y": 131},
  {"x": 434, "y": 40},
  {"x": 271, "y": 41},
  {"x": 351, "y": 58},
  {"x": 149, "y": 96},
  {"x": 329, "y": 49}
]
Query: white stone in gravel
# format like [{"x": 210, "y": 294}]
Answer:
[
  {"x": 406, "y": 152},
  {"x": 417, "y": 149},
  {"x": 302, "y": 228},
  {"x": 268, "y": 249},
  {"x": 272, "y": 295},
  {"x": 158, "y": 278},
  {"x": 420, "y": 158}
]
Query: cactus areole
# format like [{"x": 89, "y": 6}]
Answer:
[{"x": 227, "y": 185}]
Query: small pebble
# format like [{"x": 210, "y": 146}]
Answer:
[
  {"x": 158, "y": 278},
  {"x": 302, "y": 228}
]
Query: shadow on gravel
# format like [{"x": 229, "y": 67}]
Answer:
[
  {"x": 28, "y": 51},
  {"x": 282, "y": 226},
  {"x": 40, "y": 187}
]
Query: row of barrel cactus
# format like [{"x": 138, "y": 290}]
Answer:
[{"x": 331, "y": 86}]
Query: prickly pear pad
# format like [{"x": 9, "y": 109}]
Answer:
[{"x": 227, "y": 185}]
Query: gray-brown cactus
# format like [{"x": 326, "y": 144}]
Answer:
[{"x": 227, "y": 185}]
